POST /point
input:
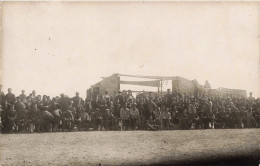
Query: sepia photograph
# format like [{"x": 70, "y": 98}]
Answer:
[{"x": 130, "y": 83}]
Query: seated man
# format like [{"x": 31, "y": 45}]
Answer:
[
  {"x": 220, "y": 118},
  {"x": 97, "y": 118},
  {"x": 34, "y": 121},
  {"x": 194, "y": 119},
  {"x": 108, "y": 119},
  {"x": 46, "y": 120},
  {"x": 152, "y": 125},
  {"x": 56, "y": 118},
  {"x": 67, "y": 120}
]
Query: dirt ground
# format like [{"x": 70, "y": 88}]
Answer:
[{"x": 126, "y": 147}]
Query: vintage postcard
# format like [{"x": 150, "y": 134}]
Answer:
[{"x": 130, "y": 83}]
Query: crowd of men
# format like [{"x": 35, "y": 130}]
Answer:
[{"x": 123, "y": 111}]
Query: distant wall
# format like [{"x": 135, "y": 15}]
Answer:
[
  {"x": 226, "y": 91},
  {"x": 183, "y": 85},
  {"x": 109, "y": 84},
  {"x": 180, "y": 84}
]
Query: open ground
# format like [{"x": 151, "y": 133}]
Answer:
[{"x": 130, "y": 147}]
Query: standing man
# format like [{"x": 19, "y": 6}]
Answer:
[
  {"x": 129, "y": 95},
  {"x": 78, "y": 105},
  {"x": 33, "y": 94},
  {"x": 108, "y": 119},
  {"x": 98, "y": 119},
  {"x": 134, "y": 115},
  {"x": 194, "y": 118},
  {"x": 10, "y": 97},
  {"x": 196, "y": 88},
  {"x": 125, "y": 115},
  {"x": 106, "y": 96},
  {"x": 166, "y": 116},
  {"x": 11, "y": 118},
  {"x": 77, "y": 101},
  {"x": 207, "y": 86},
  {"x": 22, "y": 115},
  {"x": 251, "y": 96},
  {"x": 119, "y": 97},
  {"x": 64, "y": 103},
  {"x": 23, "y": 96},
  {"x": 158, "y": 117},
  {"x": 2, "y": 96},
  {"x": 168, "y": 98}
]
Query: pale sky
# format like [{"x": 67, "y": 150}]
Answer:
[{"x": 64, "y": 47}]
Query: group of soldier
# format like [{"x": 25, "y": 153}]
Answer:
[{"x": 123, "y": 111}]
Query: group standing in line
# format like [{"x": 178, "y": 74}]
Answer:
[{"x": 123, "y": 111}]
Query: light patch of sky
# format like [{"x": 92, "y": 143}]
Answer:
[{"x": 64, "y": 47}]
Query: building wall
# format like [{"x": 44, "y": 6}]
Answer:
[
  {"x": 226, "y": 91},
  {"x": 109, "y": 84},
  {"x": 183, "y": 85}
]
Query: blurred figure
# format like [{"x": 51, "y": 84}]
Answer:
[{"x": 10, "y": 97}]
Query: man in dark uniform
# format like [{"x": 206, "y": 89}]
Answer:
[
  {"x": 196, "y": 88},
  {"x": 251, "y": 122},
  {"x": 166, "y": 118},
  {"x": 176, "y": 118},
  {"x": 23, "y": 96},
  {"x": 119, "y": 97},
  {"x": 2, "y": 116},
  {"x": 106, "y": 96},
  {"x": 97, "y": 118},
  {"x": 86, "y": 118},
  {"x": 34, "y": 118},
  {"x": 64, "y": 103},
  {"x": 56, "y": 112},
  {"x": 220, "y": 118},
  {"x": 10, "y": 97},
  {"x": 152, "y": 125},
  {"x": 168, "y": 98},
  {"x": 5, "y": 108},
  {"x": 185, "y": 124},
  {"x": 228, "y": 118},
  {"x": 205, "y": 114},
  {"x": 67, "y": 120},
  {"x": 2, "y": 96},
  {"x": 47, "y": 120},
  {"x": 134, "y": 116},
  {"x": 108, "y": 119},
  {"x": 11, "y": 117},
  {"x": 125, "y": 117},
  {"x": 77, "y": 101},
  {"x": 76, "y": 117},
  {"x": 243, "y": 117},
  {"x": 236, "y": 116},
  {"x": 33, "y": 94},
  {"x": 22, "y": 115},
  {"x": 194, "y": 119}
]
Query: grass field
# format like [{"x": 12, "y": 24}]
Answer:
[{"x": 129, "y": 147}]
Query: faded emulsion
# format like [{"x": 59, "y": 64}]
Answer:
[{"x": 130, "y": 83}]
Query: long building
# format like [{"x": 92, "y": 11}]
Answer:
[{"x": 182, "y": 85}]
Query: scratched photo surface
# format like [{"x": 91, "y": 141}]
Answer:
[{"x": 150, "y": 79}]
